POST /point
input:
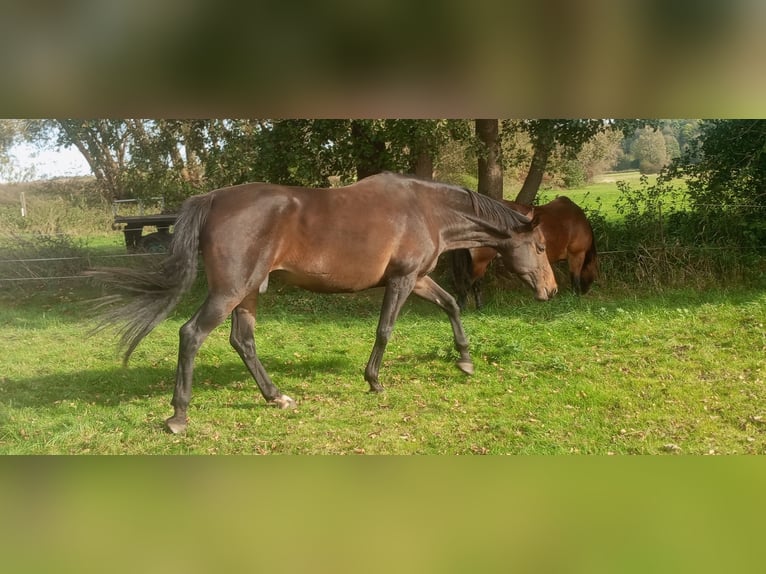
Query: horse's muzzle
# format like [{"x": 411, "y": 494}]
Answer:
[{"x": 546, "y": 293}]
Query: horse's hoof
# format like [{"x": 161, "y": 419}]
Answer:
[
  {"x": 466, "y": 367},
  {"x": 376, "y": 388},
  {"x": 176, "y": 425},
  {"x": 284, "y": 402}
]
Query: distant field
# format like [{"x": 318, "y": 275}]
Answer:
[{"x": 600, "y": 195}]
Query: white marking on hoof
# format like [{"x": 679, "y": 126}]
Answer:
[
  {"x": 175, "y": 426},
  {"x": 466, "y": 367},
  {"x": 284, "y": 402}
]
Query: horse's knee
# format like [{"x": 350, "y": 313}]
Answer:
[
  {"x": 188, "y": 336},
  {"x": 383, "y": 334},
  {"x": 237, "y": 339}
]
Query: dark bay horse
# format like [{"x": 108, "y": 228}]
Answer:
[
  {"x": 383, "y": 231},
  {"x": 568, "y": 236}
]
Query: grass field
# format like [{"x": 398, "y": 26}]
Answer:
[
  {"x": 676, "y": 372},
  {"x": 601, "y": 195}
]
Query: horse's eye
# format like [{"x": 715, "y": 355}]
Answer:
[{"x": 540, "y": 248}]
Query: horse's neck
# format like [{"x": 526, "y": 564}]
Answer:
[{"x": 466, "y": 228}]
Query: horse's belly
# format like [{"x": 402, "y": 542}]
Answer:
[{"x": 329, "y": 282}]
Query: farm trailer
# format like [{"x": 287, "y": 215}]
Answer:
[{"x": 133, "y": 226}]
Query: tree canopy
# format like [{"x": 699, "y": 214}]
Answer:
[
  {"x": 726, "y": 164},
  {"x": 176, "y": 158},
  {"x": 722, "y": 159}
]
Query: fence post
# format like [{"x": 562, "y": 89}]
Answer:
[{"x": 23, "y": 205}]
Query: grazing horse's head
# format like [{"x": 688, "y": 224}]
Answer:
[{"x": 524, "y": 254}]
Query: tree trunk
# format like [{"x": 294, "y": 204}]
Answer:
[
  {"x": 370, "y": 150},
  {"x": 90, "y": 143},
  {"x": 543, "y": 147},
  {"x": 490, "y": 170},
  {"x": 423, "y": 165}
]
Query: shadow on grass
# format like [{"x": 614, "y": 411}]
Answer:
[{"x": 115, "y": 386}]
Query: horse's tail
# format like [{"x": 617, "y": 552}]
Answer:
[
  {"x": 146, "y": 298},
  {"x": 589, "y": 270},
  {"x": 462, "y": 274}
]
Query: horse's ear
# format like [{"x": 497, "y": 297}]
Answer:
[{"x": 535, "y": 217}]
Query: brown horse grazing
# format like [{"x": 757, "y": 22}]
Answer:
[
  {"x": 568, "y": 236},
  {"x": 386, "y": 230}
]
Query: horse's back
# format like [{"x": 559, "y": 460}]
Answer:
[{"x": 565, "y": 225}]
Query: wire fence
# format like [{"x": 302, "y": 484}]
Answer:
[{"x": 35, "y": 269}]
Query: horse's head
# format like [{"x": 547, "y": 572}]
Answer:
[{"x": 524, "y": 254}]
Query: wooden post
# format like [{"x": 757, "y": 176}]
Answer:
[{"x": 23, "y": 205}]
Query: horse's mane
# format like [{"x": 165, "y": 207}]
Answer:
[
  {"x": 501, "y": 217},
  {"x": 496, "y": 212}
]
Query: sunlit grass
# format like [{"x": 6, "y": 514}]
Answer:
[
  {"x": 601, "y": 195},
  {"x": 673, "y": 372}
]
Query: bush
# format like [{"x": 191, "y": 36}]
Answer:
[
  {"x": 573, "y": 174},
  {"x": 66, "y": 205},
  {"x": 664, "y": 238}
]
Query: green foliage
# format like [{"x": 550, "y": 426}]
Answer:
[
  {"x": 176, "y": 158},
  {"x": 726, "y": 165},
  {"x": 573, "y": 174},
  {"x": 662, "y": 239},
  {"x": 644, "y": 208},
  {"x": 677, "y": 135},
  {"x": 650, "y": 151},
  {"x": 135, "y": 158},
  {"x": 71, "y": 206}
]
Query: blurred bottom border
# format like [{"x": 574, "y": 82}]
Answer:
[{"x": 411, "y": 514}]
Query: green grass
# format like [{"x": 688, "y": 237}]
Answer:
[
  {"x": 601, "y": 195},
  {"x": 678, "y": 371}
]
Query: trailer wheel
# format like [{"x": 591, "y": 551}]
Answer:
[{"x": 154, "y": 243}]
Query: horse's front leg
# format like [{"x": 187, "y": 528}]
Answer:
[
  {"x": 429, "y": 290},
  {"x": 397, "y": 291}
]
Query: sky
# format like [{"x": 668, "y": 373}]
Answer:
[{"x": 45, "y": 164}]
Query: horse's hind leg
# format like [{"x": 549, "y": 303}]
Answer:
[
  {"x": 397, "y": 291},
  {"x": 191, "y": 336},
  {"x": 429, "y": 290},
  {"x": 243, "y": 341}
]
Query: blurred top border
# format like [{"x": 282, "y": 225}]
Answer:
[{"x": 342, "y": 58}]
